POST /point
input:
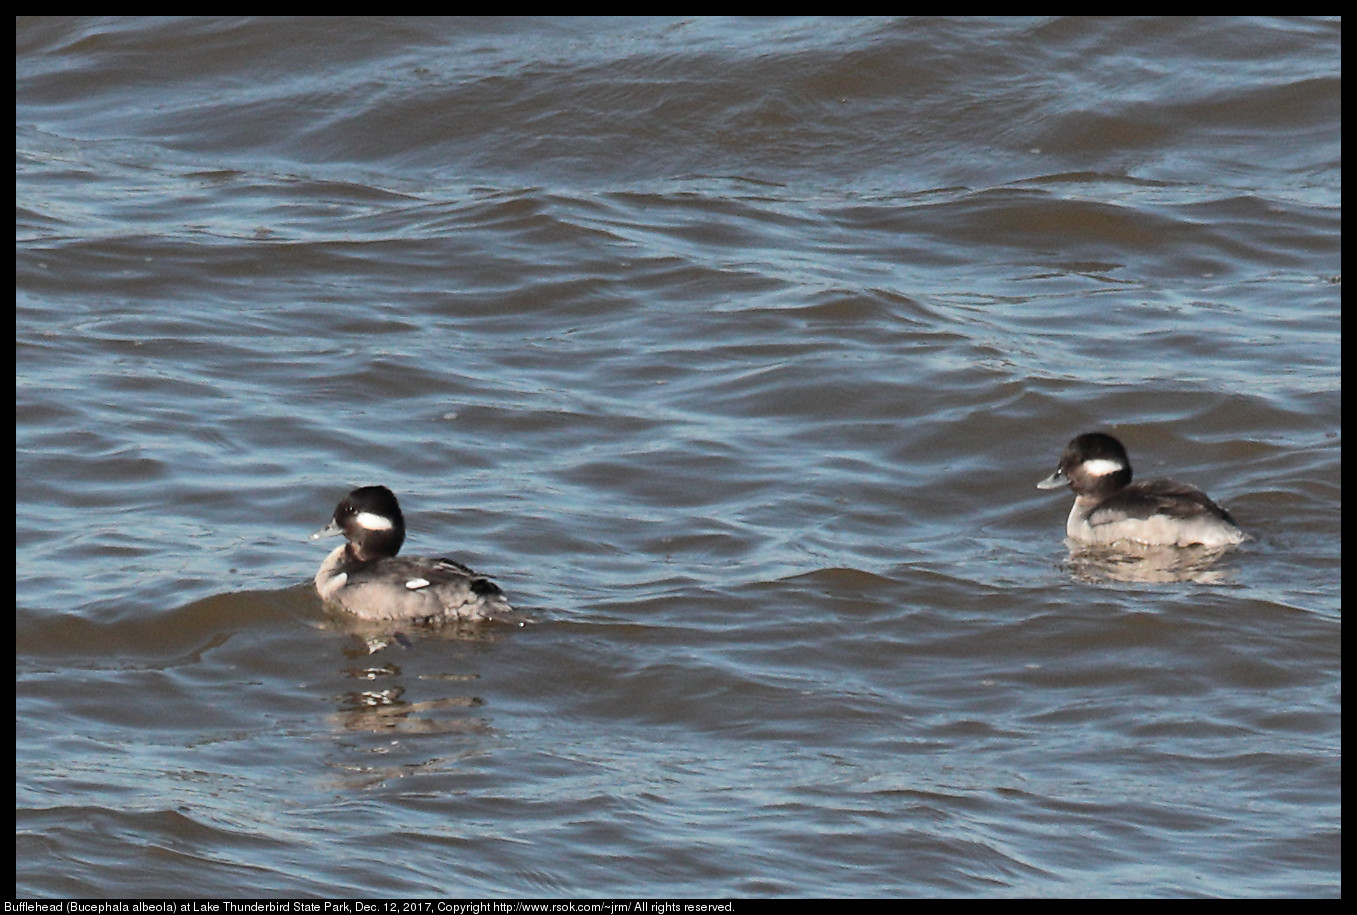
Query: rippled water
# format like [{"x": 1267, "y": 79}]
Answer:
[{"x": 733, "y": 349}]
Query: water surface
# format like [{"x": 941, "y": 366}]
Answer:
[{"x": 733, "y": 349}]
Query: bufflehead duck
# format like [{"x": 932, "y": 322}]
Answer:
[
  {"x": 1108, "y": 507},
  {"x": 365, "y": 577}
]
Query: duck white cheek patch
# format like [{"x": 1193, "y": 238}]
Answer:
[
  {"x": 369, "y": 521},
  {"x": 1101, "y": 467}
]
